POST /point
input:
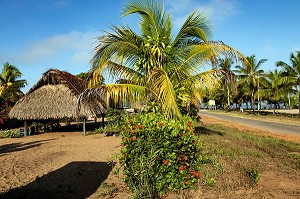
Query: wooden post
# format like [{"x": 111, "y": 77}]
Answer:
[
  {"x": 102, "y": 120},
  {"x": 84, "y": 121},
  {"x": 25, "y": 128}
]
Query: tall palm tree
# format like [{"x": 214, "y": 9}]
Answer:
[
  {"x": 291, "y": 73},
  {"x": 275, "y": 87},
  {"x": 156, "y": 64},
  {"x": 10, "y": 85},
  {"x": 249, "y": 75},
  {"x": 227, "y": 76}
]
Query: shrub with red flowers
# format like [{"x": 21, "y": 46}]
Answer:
[
  {"x": 4, "y": 110},
  {"x": 159, "y": 155}
]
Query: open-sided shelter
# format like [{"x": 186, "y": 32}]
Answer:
[{"x": 55, "y": 96}]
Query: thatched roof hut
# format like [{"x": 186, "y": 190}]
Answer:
[{"x": 55, "y": 96}]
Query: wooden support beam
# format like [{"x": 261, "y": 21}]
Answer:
[
  {"x": 84, "y": 121},
  {"x": 102, "y": 120},
  {"x": 25, "y": 128}
]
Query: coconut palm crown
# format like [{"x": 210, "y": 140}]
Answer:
[
  {"x": 249, "y": 76},
  {"x": 10, "y": 84},
  {"x": 155, "y": 64},
  {"x": 291, "y": 73}
]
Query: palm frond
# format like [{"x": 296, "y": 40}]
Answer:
[
  {"x": 196, "y": 28},
  {"x": 154, "y": 21},
  {"x": 163, "y": 88},
  {"x": 123, "y": 45}
]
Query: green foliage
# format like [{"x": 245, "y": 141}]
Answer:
[
  {"x": 10, "y": 84},
  {"x": 254, "y": 175},
  {"x": 4, "y": 110},
  {"x": 109, "y": 128},
  {"x": 8, "y": 134},
  {"x": 83, "y": 75},
  {"x": 116, "y": 116},
  {"x": 159, "y": 155},
  {"x": 211, "y": 182}
]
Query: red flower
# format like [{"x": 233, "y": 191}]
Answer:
[
  {"x": 186, "y": 182},
  {"x": 140, "y": 126},
  {"x": 124, "y": 139},
  {"x": 159, "y": 123},
  {"x": 133, "y": 131},
  {"x": 181, "y": 168},
  {"x": 190, "y": 124},
  {"x": 132, "y": 138},
  {"x": 196, "y": 174},
  {"x": 165, "y": 162}
]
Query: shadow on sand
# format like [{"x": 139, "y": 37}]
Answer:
[
  {"x": 13, "y": 147},
  {"x": 74, "y": 180}
]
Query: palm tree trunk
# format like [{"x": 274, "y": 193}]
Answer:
[
  {"x": 228, "y": 100},
  {"x": 289, "y": 98},
  {"x": 299, "y": 101},
  {"x": 252, "y": 100}
]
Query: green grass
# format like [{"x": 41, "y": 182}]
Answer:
[{"x": 235, "y": 159}]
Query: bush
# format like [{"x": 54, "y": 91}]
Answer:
[
  {"x": 108, "y": 129},
  {"x": 159, "y": 155},
  {"x": 254, "y": 175},
  {"x": 8, "y": 134}
]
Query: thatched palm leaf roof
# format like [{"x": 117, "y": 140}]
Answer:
[
  {"x": 55, "y": 96},
  {"x": 54, "y": 76}
]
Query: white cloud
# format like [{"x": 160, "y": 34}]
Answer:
[
  {"x": 73, "y": 47},
  {"x": 267, "y": 47},
  {"x": 216, "y": 10}
]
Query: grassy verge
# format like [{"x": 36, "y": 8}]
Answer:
[
  {"x": 236, "y": 159},
  {"x": 273, "y": 118}
]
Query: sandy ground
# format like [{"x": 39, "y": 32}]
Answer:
[
  {"x": 70, "y": 165},
  {"x": 68, "y": 162}
]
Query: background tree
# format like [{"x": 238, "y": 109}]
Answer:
[
  {"x": 291, "y": 73},
  {"x": 156, "y": 62},
  {"x": 249, "y": 75},
  {"x": 10, "y": 90},
  {"x": 10, "y": 85},
  {"x": 227, "y": 78},
  {"x": 275, "y": 89},
  {"x": 93, "y": 78}
]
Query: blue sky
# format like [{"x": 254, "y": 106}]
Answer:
[{"x": 36, "y": 35}]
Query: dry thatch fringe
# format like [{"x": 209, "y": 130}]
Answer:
[
  {"x": 55, "y": 96},
  {"x": 93, "y": 99}
]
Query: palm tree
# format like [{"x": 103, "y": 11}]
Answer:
[
  {"x": 249, "y": 76},
  {"x": 275, "y": 88},
  {"x": 167, "y": 69},
  {"x": 291, "y": 73},
  {"x": 227, "y": 76},
  {"x": 10, "y": 85}
]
